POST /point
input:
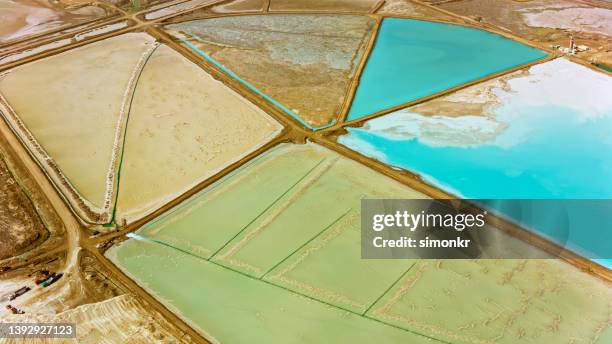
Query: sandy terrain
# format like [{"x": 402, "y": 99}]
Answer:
[
  {"x": 19, "y": 19},
  {"x": 304, "y": 62},
  {"x": 89, "y": 110},
  {"x": 475, "y": 100},
  {"x": 183, "y": 128},
  {"x": 548, "y": 22},
  {"x": 121, "y": 319},
  {"x": 104, "y": 312}
]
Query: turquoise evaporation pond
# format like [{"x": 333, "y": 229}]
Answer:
[
  {"x": 564, "y": 157},
  {"x": 413, "y": 59}
]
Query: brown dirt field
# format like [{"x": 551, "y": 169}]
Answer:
[
  {"x": 304, "y": 62},
  {"x": 20, "y": 226},
  {"x": 28, "y": 223}
]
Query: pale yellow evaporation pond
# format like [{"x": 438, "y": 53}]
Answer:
[
  {"x": 71, "y": 102},
  {"x": 184, "y": 126}
]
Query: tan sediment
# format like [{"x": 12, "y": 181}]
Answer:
[
  {"x": 293, "y": 132},
  {"x": 91, "y": 197},
  {"x": 65, "y": 256},
  {"x": 311, "y": 85},
  {"x": 52, "y": 209},
  {"x": 476, "y": 100},
  {"x": 120, "y": 132},
  {"x": 378, "y": 6},
  {"x": 182, "y": 130},
  {"x": 116, "y": 320}
]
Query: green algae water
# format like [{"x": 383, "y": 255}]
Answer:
[
  {"x": 414, "y": 59},
  {"x": 265, "y": 213},
  {"x": 548, "y": 140},
  {"x": 217, "y": 301}
]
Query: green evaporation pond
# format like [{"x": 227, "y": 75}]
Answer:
[{"x": 414, "y": 59}]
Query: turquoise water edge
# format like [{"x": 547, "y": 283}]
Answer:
[
  {"x": 494, "y": 172},
  {"x": 413, "y": 59},
  {"x": 548, "y": 139}
]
